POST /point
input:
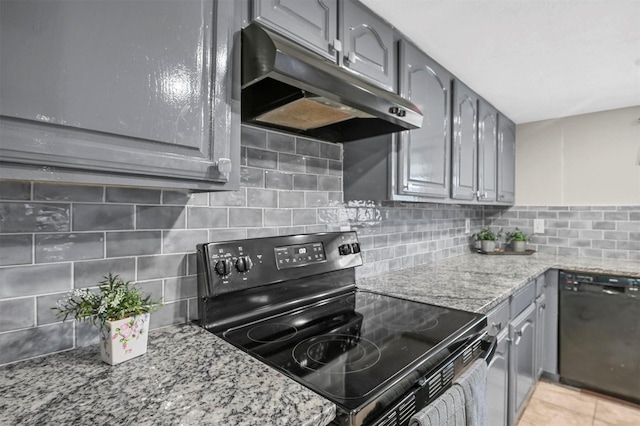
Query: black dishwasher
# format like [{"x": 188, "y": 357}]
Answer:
[{"x": 599, "y": 333}]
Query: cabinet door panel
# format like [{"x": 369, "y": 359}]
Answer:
[
  {"x": 465, "y": 142},
  {"x": 311, "y": 23},
  {"x": 506, "y": 160},
  {"x": 120, "y": 87},
  {"x": 368, "y": 47},
  {"x": 498, "y": 383},
  {"x": 425, "y": 152},
  {"x": 523, "y": 375},
  {"x": 541, "y": 306},
  {"x": 487, "y": 151}
]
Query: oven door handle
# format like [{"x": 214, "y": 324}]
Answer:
[{"x": 488, "y": 346}]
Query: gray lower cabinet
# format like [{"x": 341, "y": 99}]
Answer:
[
  {"x": 464, "y": 152},
  {"x": 498, "y": 369},
  {"x": 487, "y": 152},
  {"x": 550, "y": 336},
  {"x": 498, "y": 383},
  {"x": 506, "y": 160},
  {"x": 541, "y": 307},
  {"x": 368, "y": 45},
  {"x": 424, "y": 154},
  {"x": 522, "y": 377},
  {"x": 313, "y": 24},
  {"x": 520, "y": 325},
  {"x": 127, "y": 93}
]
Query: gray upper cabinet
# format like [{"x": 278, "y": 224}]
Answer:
[
  {"x": 487, "y": 152},
  {"x": 368, "y": 45},
  {"x": 313, "y": 24},
  {"x": 128, "y": 93},
  {"x": 506, "y": 160},
  {"x": 465, "y": 142},
  {"x": 424, "y": 154}
]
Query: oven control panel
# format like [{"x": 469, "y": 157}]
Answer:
[
  {"x": 228, "y": 266},
  {"x": 299, "y": 255}
]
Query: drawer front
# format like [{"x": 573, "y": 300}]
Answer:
[
  {"x": 498, "y": 318},
  {"x": 523, "y": 298}
]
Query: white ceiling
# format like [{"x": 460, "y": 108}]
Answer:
[{"x": 532, "y": 59}]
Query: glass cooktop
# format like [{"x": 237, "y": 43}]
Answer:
[{"x": 354, "y": 346}]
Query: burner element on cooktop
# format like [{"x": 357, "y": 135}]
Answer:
[
  {"x": 271, "y": 332},
  {"x": 351, "y": 353}
]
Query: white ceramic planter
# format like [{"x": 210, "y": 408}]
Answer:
[
  {"x": 124, "y": 339},
  {"x": 518, "y": 246},
  {"x": 488, "y": 246}
]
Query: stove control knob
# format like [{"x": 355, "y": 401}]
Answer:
[
  {"x": 344, "y": 249},
  {"x": 355, "y": 247},
  {"x": 223, "y": 267},
  {"x": 244, "y": 264}
]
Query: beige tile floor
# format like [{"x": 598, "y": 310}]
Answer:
[{"x": 557, "y": 405}]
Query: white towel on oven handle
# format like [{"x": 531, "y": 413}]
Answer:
[
  {"x": 474, "y": 386},
  {"x": 446, "y": 410}
]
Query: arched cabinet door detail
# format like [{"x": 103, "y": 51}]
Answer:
[
  {"x": 465, "y": 141},
  {"x": 368, "y": 45},
  {"x": 425, "y": 153},
  {"x": 487, "y": 152},
  {"x": 506, "y": 160},
  {"x": 313, "y": 24}
]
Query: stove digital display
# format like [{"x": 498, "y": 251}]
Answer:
[{"x": 299, "y": 255}]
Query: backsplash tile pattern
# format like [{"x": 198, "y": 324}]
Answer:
[
  {"x": 56, "y": 237},
  {"x": 611, "y": 232}
]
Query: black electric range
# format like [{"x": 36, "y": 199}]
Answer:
[{"x": 292, "y": 303}]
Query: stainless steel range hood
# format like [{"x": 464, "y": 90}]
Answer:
[{"x": 287, "y": 87}]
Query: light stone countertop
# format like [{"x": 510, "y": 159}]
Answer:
[
  {"x": 187, "y": 377},
  {"x": 477, "y": 283},
  {"x": 191, "y": 377}
]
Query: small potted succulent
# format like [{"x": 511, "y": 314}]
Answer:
[
  {"x": 120, "y": 312},
  {"x": 518, "y": 240},
  {"x": 488, "y": 239}
]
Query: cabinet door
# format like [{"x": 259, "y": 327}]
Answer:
[
  {"x": 313, "y": 23},
  {"x": 368, "y": 45},
  {"x": 550, "y": 360},
  {"x": 522, "y": 368},
  {"x": 498, "y": 383},
  {"x": 506, "y": 160},
  {"x": 424, "y": 153},
  {"x": 465, "y": 141},
  {"x": 541, "y": 307},
  {"x": 487, "y": 152},
  {"x": 118, "y": 92}
]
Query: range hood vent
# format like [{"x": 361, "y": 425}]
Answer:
[{"x": 287, "y": 87}]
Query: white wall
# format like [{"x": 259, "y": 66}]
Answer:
[{"x": 584, "y": 160}]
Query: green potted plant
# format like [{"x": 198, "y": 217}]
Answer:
[
  {"x": 518, "y": 240},
  {"x": 121, "y": 313},
  {"x": 488, "y": 239}
]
